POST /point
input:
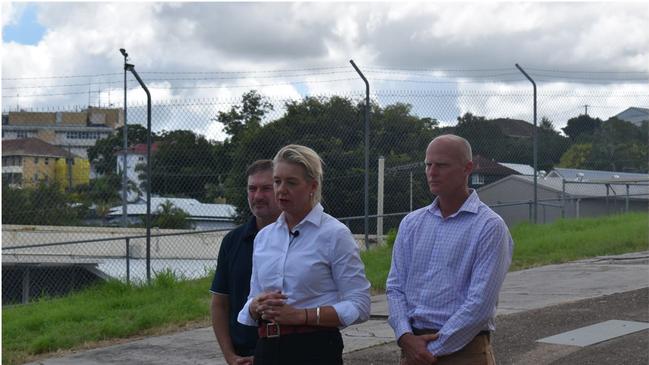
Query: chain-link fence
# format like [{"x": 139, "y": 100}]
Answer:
[{"x": 70, "y": 230}]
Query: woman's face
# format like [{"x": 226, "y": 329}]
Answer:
[{"x": 292, "y": 190}]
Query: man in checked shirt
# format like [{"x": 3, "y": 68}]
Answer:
[{"x": 448, "y": 264}]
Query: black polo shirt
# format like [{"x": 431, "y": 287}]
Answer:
[{"x": 232, "y": 277}]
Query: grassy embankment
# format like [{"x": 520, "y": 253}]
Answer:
[{"x": 115, "y": 310}]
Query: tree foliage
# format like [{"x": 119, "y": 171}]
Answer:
[
  {"x": 615, "y": 146},
  {"x": 102, "y": 154},
  {"x": 170, "y": 217},
  {"x": 44, "y": 204},
  {"x": 582, "y": 127}
]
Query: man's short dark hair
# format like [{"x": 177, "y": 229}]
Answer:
[{"x": 259, "y": 166}]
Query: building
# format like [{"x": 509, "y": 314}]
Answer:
[
  {"x": 485, "y": 171},
  {"x": 521, "y": 168},
  {"x": 135, "y": 156},
  {"x": 73, "y": 131},
  {"x": 202, "y": 216},
  {"x": 634, "y": 115},
  {"x": 593, "y": 175},
  {"x": 28, "y": 161},
  {"x": 569, "y": 197}
]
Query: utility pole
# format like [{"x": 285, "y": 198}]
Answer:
[{"x": 586, "y": 107}]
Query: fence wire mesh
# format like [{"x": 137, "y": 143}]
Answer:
[{"x": 64, "y": 228}]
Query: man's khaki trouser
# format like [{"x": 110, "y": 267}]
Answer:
[{"x": 477, "y": 352}]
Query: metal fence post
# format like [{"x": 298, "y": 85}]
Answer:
[
  {"x": 367, "y": 151},
  {"x": 125, "y": 147},
  {"x": 608, "y": 210},
  {"x": 535, "y": 147},
  {"x": 379, "y": 202},
  {"x": 626, "y": 200},
  {"x": 131, "y": 68},
  {"x": 128, "y": 261},
  {"x": 26, "y": 284},
  {"x": 563, "y": 198}
]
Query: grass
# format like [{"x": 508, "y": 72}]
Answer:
[
  {"x": 114, "y": 310},
  {"x": 535, "y": 245},
  {"x": 107, "y": 311}
]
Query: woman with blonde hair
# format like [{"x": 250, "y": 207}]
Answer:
[{"x": 308, "y": 280}]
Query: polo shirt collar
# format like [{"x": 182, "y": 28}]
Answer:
[
  {"x": 250, "y": 229},
  {"x": 470, "y": 205}
]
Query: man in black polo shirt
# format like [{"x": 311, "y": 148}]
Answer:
[{"x": 231, "y": 282}]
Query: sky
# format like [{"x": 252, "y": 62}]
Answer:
[{"x": 57, "y": 55}]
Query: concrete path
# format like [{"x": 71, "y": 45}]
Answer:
[{"x": 522, "y": 291}]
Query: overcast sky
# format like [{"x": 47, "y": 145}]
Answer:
[{"x": 599, "y": 47}]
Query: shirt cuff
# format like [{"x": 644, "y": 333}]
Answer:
[
  {"x": 244, "y": 316},
  {"x": 402, "y": 327},
  {"x": 347, "y": 313}
]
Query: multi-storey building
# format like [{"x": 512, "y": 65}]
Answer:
[
  {"x": 29, "y": 161},
  {"x": 72, "y": 131}
]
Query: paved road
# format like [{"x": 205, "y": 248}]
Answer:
[
  {"x": 534, "y": 303},
  {"x": 515, "y": 341}
]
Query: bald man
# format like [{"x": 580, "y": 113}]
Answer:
[{"x": 448, "y": 263}]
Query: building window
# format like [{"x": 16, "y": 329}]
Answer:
[
  {"x": 22, "y": 134},
  {"x": 47, "y": 161},
  {"x": 36, "y": 160},
  {"x": 477, "y": 179}
]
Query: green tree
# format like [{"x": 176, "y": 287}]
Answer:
[
  {"x": 171, "y": 217},
  {"x": 44, "y": 204},
  {"x": 334, "y": 127},
  {"x": 576, "y": 156},
  {"x": 619, "y": 146},
  {"x": 183, "y": 165},
  {"x": 102, "y": 154},
  {"x": 582, "y": 127}
]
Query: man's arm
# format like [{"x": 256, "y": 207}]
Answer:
[
  {"x": 396, "y": 282},
  {"x": 220, "y": 309}
]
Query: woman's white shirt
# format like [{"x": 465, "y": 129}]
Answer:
[{"x": 320, "y": 266}]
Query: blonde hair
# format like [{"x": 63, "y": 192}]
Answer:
[{"x": 309, "y": 160}]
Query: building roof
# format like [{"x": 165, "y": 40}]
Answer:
[
  {"x": 195, "y": 209},
  {"x": 594, "y": 175},
  {"x": 139, "y": 149},
  {"x": 32, "y": 147},
  {"x": 485, "y": 166},
  {"x": 520, "y": 168},
  {"x": 580, "y": 189},
  {"x": 514, "y": 127},
  {"x": 634, "y": 115}
]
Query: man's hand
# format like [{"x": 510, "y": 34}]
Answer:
[
  {"x": 415, "y": 350},
  {"x": 239, "y": 360},
  {"x": 243, "y": 360}
]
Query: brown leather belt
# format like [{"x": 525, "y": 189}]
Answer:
[
  {"x": 419, "y": 332},
  {"x": 271, "y": 330}
]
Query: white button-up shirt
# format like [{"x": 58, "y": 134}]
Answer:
[{"x": 320, "y": 266}]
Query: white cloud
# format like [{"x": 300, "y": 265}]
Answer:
[{"x": 84, "y": 38}]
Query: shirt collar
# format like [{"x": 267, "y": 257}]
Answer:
[
  {"x": 314, "y": 217},
  {"x": 470, "y": 205}
]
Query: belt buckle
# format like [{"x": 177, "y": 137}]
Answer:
[{"x": 272, "y": 330}]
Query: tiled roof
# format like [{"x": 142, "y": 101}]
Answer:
[{"x": 32, "y": 147}]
